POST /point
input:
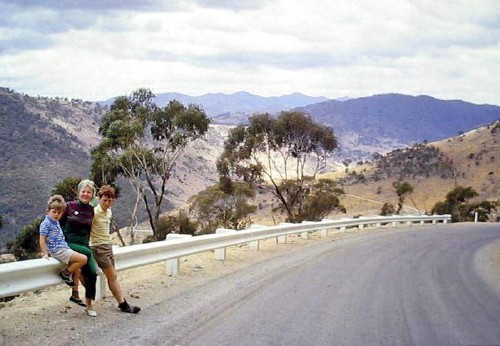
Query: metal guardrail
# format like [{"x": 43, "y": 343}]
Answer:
[{"x": 31, "y": 275}]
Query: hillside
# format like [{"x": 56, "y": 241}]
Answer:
[
  {"x": 41, "y": 143},
  {"x": 44, "y": 140},
  {"x": 470, "y": 159},
  {"x": 381, "y": 123}
]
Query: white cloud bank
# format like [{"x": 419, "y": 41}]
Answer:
[{"x": 95, "y": 50}]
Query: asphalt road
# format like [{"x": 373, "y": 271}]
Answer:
[{"x": 422, "y": 286}]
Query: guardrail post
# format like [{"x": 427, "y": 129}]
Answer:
[
  {"x": 305, "y": 235},
  {"x": 173, "y": 266},
  {"x": 434, "y": 222},
  {"x": 281, "y": 239},
  {"x": 255, "y": 245},
  {"x": 101, "y": 287},
  {"x": 344, "y": 228},
  {"x": 445, "y": 221},
  {"x": 220, "y": 254},
  {"x": 324, "y": 231},
  {"x": 394, "y": 224}
]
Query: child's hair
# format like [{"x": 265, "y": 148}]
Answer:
[
  {"x": 107, "y": 191},
  {"x": 56, "y": 202}
]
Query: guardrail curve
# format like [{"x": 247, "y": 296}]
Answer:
[{"x": 30, "y": 275}]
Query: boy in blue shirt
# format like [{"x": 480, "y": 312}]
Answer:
[{"x": 52, "y": 240}]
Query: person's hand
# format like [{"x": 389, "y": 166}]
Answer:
[{"x": 46, "y": 256}]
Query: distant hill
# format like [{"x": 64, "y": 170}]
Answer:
[
  {"x": 378, "y": 122},
  {"x": 221, "y": 106}
]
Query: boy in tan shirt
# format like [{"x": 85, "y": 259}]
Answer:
[{"x": 101, "y": 245}]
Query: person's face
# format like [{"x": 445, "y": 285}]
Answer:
[
  {"x": 85, "y": 194},
  {"x": 55, "y": 214},
  {"x": 106, "y": 202}
]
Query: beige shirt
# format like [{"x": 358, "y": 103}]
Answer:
[{"x": 101, "y": 226}]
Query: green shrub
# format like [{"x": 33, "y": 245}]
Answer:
[
  {"x": 388, "y": 209},
  {"x": 180, "y": 224},
  {"x": 457, "y": 204},
  {"x": 26, "y": 245}
]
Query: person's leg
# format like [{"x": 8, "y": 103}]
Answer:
[
  {"x": 113, "y": 284},
  {"x": 115, "y": 288},
  {"x": 89, "y": 282},
  {"x": 76, "y": 261},
  {"x": 103, "y": 255},
  {"x": 75, "y": 295},
  {"x": 66, "y": 255},
  {"x": 89, "y": 278},
  {"x": 88, "y": 275}
]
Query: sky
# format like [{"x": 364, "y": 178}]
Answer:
[{"x": 98, "y": 49}]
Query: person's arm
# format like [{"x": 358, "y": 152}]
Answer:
[
  {"x": 43, "y": 246},
  {"x": 64, "y": 218}
]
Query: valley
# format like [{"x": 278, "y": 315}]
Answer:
[{"x": 43, "y": 141}]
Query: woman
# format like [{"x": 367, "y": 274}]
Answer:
[{"x": 77, "y": 224}]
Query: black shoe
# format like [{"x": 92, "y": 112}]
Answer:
[
  {"x": 125, "y": 307},
  {"x": 77, "y": 301},
  {"x": 67, "y": 277}
]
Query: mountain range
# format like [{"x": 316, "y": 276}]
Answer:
[
  {"x": 242, "y": 102},
  {"x": 364, "y": 126},
  {"x": 44, "y": 140},
  {"x": 408, "y": 118}
]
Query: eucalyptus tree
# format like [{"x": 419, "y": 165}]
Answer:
[
  {"x": 288, "y": 151},
  {"x": 220, "y": 206},
  {"x": 67, "y": 188},
  {"x": 403, "y": 189},
  {"x": 142, "y": 141},
  {"x": 458, "y": 205},
  {"x": 321, "y": 200}
]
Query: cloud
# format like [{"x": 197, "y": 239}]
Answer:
[
  {"x": 44, "y": 20},
  {"x": 316, "y": 47},
  {"x": 95, "y": 5},
  {"x": 235, "y": 5},
  {"x": 20, "y": 42}
]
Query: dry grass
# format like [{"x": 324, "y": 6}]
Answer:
[{"x": 479, "y": 170}]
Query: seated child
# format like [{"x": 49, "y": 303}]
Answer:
[
  {"x": 52, "y": 240},
  {"x": 102, "y": 245}
]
